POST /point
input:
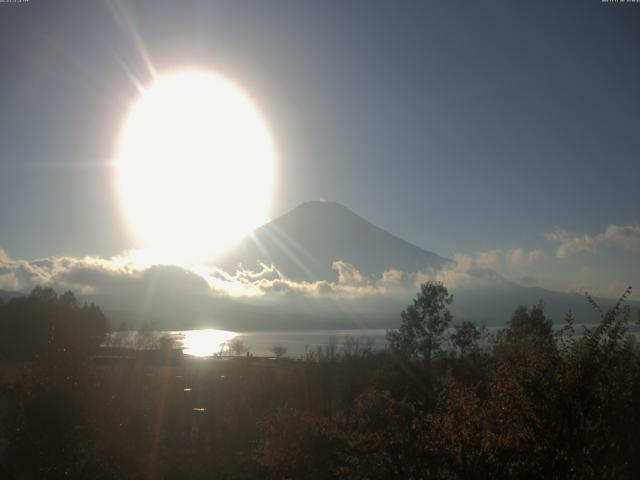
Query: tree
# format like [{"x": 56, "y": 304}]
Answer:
[
  {"x": 279, "y": 351},
  {"x": 423, "y": 323},
  {"x": 527, "y": 326},
  {"x": 299, "y": 444},
  {"x": 68, "y": 300},
  {"x": 465, "y": 337},
  {"x": 145, "y": 339},
  {"x": 167, "y": 343},
  {"x": 42, "y": 322},
  {"x": 43, "y": 295},
  {"x": 237, "y": 346}
]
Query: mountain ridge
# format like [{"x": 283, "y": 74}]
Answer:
[{"x": 304, "y": 242}]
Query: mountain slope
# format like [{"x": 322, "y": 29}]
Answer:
[
  {"x": 305, "y": 242},
  {"x": 493, "y": 303}
]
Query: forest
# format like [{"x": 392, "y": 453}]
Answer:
[{"x": 446, "y": 399}]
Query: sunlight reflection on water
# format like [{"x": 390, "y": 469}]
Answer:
[
  {"x": 204, "y": 343},
  {"x": 210, "y": 342}
]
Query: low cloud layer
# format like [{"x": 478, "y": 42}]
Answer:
[
  {"x": 134, "y": 290},
  {"x": 500, "y": 258},
  {"x": 134, "y": 273},
  {"x": 122, "y": 275},
  {"x": 625, "y": 237},
  {"x": 136, "y": 281}
]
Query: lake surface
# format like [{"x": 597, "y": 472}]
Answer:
[
  {"x": 297, "y": 343},
  {"x": 209, "y": 342}
]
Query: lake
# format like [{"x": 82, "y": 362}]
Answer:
[{"x": 209, "y": 342}]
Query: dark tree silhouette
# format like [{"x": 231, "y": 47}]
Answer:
[
  {"x": 43, "y": 323},
  {"x": 279, "y": 351},
  {"x": 530, "y": 404},
  {"x": 423, "y": 323},
  {"x": 465, "y": 337},
  {"x": 528, "y": 325},
  {"x": 237, "y": 347}
]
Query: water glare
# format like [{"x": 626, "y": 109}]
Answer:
[{"x": 204, "y": 343}]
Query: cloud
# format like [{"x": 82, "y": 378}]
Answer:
[
  {"x": 571, "y": 243},
  {"x": 487, "y": 259},
  {"x": 534, "y": 256},
  {"x": 14, "y": 274},
  {"x": 518, "y": 256},
  {"x": 128, "y": 276},
  {"x": 500, "y": 258},
  {"x": 134, "y": 275},
  {"x": 137, "y": 291},
  {"x": 626, "y": 237},
  {"x": 347, "y": 273}
]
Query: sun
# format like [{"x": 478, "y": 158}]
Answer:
[{"x": 195, "y": 165}]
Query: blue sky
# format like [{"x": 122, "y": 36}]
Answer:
[{"x": 473, "y": 128}]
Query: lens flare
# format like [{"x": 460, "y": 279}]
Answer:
[{"x": 196, "y": 165}]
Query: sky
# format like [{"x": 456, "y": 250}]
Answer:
[{"x": 505, "y": 132}]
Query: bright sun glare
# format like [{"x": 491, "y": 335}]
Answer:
[
  {"x": 204, "y": 343},
  {"x": 195, "y": 166}
]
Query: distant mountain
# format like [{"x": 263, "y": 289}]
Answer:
[
  {"x": 493, "y": 303},
  {"x": 305, "y": 242}
]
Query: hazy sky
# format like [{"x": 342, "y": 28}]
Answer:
[{"x": 463, "y": 127}]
